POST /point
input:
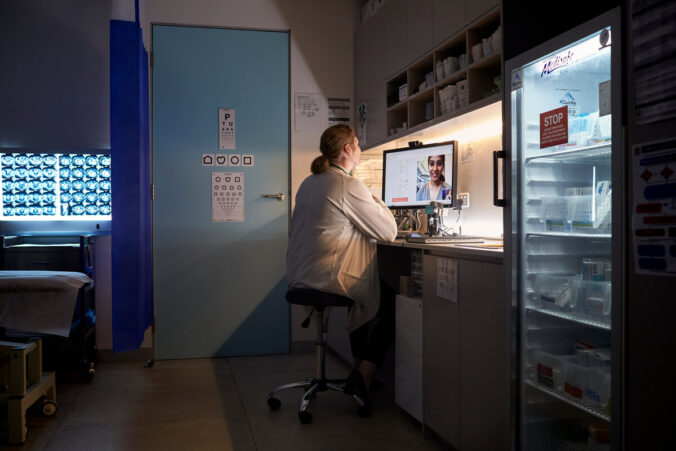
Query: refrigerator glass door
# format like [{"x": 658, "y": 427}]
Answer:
[{"x": 561, "y": 136}]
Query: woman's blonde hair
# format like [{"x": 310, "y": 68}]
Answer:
[{"x": 331, "y": 144}]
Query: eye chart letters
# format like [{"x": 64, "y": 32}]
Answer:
[{"x": 226, "y": 128}]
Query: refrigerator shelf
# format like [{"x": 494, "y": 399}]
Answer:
[
  {"x": 570, "y": 317},
  {"x": 570, "y": 234},
  {"x": 596, "y": 153},
  {"x": 597, "y": 412}
]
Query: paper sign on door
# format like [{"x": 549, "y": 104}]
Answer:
[
  {"x": 554, "y": 127},
  {"x": 226, "y": 128}
]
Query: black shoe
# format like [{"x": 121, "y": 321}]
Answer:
[
  {"x": 377, "y": 384},
  {"x": 355, "y": 385}
]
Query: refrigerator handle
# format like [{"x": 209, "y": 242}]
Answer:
[{"x": 497, "y": 154}]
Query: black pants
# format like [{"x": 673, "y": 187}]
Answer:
[{"x": 372, "y": 340}]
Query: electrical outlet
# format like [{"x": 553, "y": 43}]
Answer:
[{"x": 465, "y": 199}]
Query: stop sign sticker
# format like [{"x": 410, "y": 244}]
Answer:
[{"x": 554, "y": 127}]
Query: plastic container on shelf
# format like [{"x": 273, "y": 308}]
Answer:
[
  {"x": 555, "y": 293},
  {"x": 593, "y": 299},
  {"x": 548, "y": 367},
  {"x": 580, "y": 214},
  {"x": 555, "y": 214},
  {"x": 597, "y": 387},
  {"x": 574, "y": 379}
]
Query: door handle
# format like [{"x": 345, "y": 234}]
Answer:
[
  {"x": 497, "y": 154},
  {"x": 278, "y": 196}
]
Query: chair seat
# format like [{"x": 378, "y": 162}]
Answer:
[{"x": 316, "y": 298}]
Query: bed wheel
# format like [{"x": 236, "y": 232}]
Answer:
[{"x": 49, "y": 408}]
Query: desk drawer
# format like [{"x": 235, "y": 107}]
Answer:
[
  {"x": 409, "y": 339},
  {"x": 408, "y": 382},
  {"x": 409, "y": 312}
]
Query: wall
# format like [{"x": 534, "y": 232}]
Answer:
[
  {"x": 55, "y": 94},
  {"x": 54, "y": 77},
  {"x": 528, "y": 23},
  {"x": 480, "y": 131}
]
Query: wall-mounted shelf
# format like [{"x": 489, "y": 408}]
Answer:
[{"x": 452, "y": 79}]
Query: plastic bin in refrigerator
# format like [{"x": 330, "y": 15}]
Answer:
[
  {"x": 555, "y": 213},
  {"x": 581, "y": 214},
  {"x": 548, "y": 366},
  {"x": 592, "y": 299},
  {"x": 574, "y": 379},
  {"x": 554, "y": 293},
  {"x": 597, "y": 387}
]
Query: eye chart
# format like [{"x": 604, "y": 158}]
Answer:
[
  {"x": 226, "y": 128},
  {"x": 227, "y": 197}
]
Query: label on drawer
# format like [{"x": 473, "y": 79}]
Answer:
[
  {"x": 545, "y": 375},
  {"x": 572, "y": 390},
  {"x": 447, "y": 279}
]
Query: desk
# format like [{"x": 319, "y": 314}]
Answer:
[{"x": 466, "y": 343}]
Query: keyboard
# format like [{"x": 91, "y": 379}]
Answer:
[{"x": 445, "y": 239}]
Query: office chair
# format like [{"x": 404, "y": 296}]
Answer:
[{"x": 318, "y": 300}]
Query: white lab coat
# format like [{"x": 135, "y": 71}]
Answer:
[{"x": 332, "y": 245}]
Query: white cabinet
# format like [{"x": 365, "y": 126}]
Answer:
[
  {"x": 369, "y": 73},
  {"x": 419, "y": 32},
  {"x": 394, "y": 14},
  {"x": 477, "y": 8},
  {"x": 441, "y": 356},
  {"x": 466, "y": 356},
  {"x": 448, "y": 19},
  {"x": 408, "y": 356}
]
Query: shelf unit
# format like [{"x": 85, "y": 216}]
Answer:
[
  {"x": 570, "y": 317},
  {"x": 566, "y": 294},
  {"x": 597, "y": 412},
  {"x": 477, "y": 83}
]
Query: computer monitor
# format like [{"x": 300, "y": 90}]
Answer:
[{"x": 414, "y": 176}]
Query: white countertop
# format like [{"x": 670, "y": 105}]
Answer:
[{"x": 490, "y": 250}]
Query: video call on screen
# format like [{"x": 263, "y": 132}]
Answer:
[{"x": 408, "y": 176}]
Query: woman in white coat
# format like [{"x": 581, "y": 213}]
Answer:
[{"x": 332, "y": 248}]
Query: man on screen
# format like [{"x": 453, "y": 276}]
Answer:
[{"x": 436, "y": 188}]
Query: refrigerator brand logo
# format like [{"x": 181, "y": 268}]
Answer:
[{"x": 556, "y": 63}]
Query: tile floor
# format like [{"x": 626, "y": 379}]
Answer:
[{"x": 214, "y": 404}]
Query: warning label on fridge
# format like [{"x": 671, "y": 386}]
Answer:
[
  {"x": 554, "y": 127},
  {"x": 654, "y": 207}
]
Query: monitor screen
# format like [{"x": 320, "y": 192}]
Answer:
[
  {"x": 414, "y": 176},
  {"x": 55, "y": 186}
]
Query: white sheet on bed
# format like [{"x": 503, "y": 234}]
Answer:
[{"x": 39, "y": 301}]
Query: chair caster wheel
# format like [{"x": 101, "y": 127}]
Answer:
[
  {"x": 364, "y": 411},
  {"x": 305, "y": 417},
  {"x": 274, "y": 403},
  {"x": 49, "y": 408}
]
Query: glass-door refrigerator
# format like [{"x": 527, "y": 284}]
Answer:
[{"x": 565, "y": 240}]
